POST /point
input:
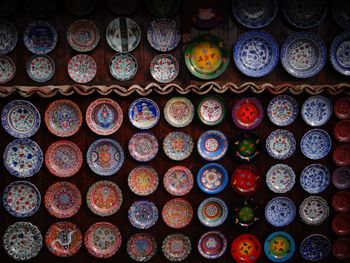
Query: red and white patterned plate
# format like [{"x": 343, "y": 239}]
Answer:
[
  {"x": 178, "y": 180},
  {"x": 176, "y": 247},
  {"x": 83, "y": 35},
  {"x": 177, "y": 213},
  {"x": 141, "y": 247},
  {"x": 143, "y": 180},
  {"x": 143, "y": 146},
  {"x": 40, "y": 68},
  {"x": 179, "y": 112},
  {"x": 82, "y": 68}
]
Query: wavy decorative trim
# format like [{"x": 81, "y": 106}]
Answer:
[{"x": 67, "y": 90}]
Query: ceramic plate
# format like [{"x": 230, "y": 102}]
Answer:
[
  {"x": 63, "y": 118},
  {"x": 40, "y": 68},
  {"x": 316, "y": 111},
  {"x": 340, "y": 12},
  {"x": 178, "y": 145},
  {"x": 40, "y": 37},
  {"x": 176, "y": 247},
  {"x": 212, "y": 178},
  {"x": 164, "y": 68},
  {"x": 123, "y": 34},
  {"x": 163, "y": 34},
  {"x": 212, "y": 145},
  {"x": 63, "y": 239},
  {"x": 246, "y": 146},
  {"x": 22, "y": 241},
  {"x": 178, "y": 180},
  {"x": 82, "y": 68},
  {"x": 123, "y": 66},
  {"x": 245, "y": 214},
  {"x": 280, "y": 178},
  {"x": 280, "y": 144},
  {"x": 143, "y": 214},
  {"x": 207, "y": 14},
  {"x": 23, "y": 158},
  {"x": 105, "y": 157},
  {"x": 8, "y": 36},
  {"x": 303, "y": 54},
  {"x": 338, "y": 53},
  {"x": 256, "y": 53},
  {"x": 7, "y": 69},
  {"x": 245, "y": 180},
  {"x": 280, "y": 211},
  {"x": 141, "y": 247},
  {"x": 207, "y": 57},
  {"x": 315, "y": 144},
  {"x": 121, "y": 7},
  {"x": 212, "y": 212},
  {"x": 80, "y": 7},
  {"x": 163, "y": 8},
  {"x": 247, "y": 113},
  {"x": 104, "y": 198},
  {"x": 315, "y": 178},
  {"x": 254, "y": 14},
  {"x": 212, "y": 244},
  {"x": 21, "y": 199},
  {"x": 179, "y": 112},
  {"x": 314, "y": 210},
  {"x": 315, "y": 247},
  {"x": 246, "y": 248},
  {"x": 177, "y": 213},
  {"x": 144, "y": 113},
  {"x": 102, "y": 240},
  {"x": 211, "y": 110},
  {"x": 282, "y": 110},
  {"x": 341, "y": 178},
  {"x": 83, "y": 35},
  {"x": 143, "y": 180},
  {"x": 20, "y": 118},
  {"x": 143, "y": 146},
  {"x": 279, "y": 246},
  {"x": 104, "y": 116}
]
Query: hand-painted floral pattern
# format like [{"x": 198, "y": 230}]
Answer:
[
  {"x": 280, "y": 211},
  {"x": 164, "y": 68},
  {"x": 123, "y": 66},
  {"x": 82, "y": 68}
]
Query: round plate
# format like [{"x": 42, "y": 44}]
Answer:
[
  {"x": 7, "y": 69},
  {"x": 40, "y": 37},
  {"x": 315, "y": 247},
  {"x": 246, "y": 248},
  {"x": 120, "y": 7},
  {"x": 280, "y": 178},
  {"x": 314, "y": 210},
  {"x": 104, "y": 198},
  {"x": 340, "y": 12},
  {"x": 303, "y": 54},
  {"x": 8, "y": 36},
  {"x": 212, "y": 244},
  {"x": 282, "y": 110},
  {"x": 212, "y": 145},
  {"x": 341, "y": 224},
  {"x": 104, "y": 116},
  {"x": 62, "y": 199},
  {"x": 163, "y": 34},
  {"x": 177, "y": 213},
  {"x": 245, "y": 214},
  {"x": 212, "y": 178},
  {"x": 40, "y": 68},
  {"x": 341, "y": 248},
  {"x": 164, "y": 68},
  {"x": 63, "y": 158},
  {"x": 63, "y": 118},
  {"x": 342, "y": 108},
  {"x": 279, "y": 246},
  {"x": 143, "y": 180},
  {"x": 212, "y": 212},
  {"x": 144, "y": 113},
  {"x": 20, "y": 119},
  {"x": 246, "y": 146},
  {"x": 105, "y": 157},
  {"x": 207, "y": 14},
  {"x": 123, "y": 66},
  {"x": 256, "y": 53},
  {"x": 178, "y": 145},
  {"x": 22, "y": 241},
  {"x": 82, "y": 68},
  {"x": 179, "y": 112},
  {"x": 315, "y": 144},
  {"x": 341, "y": 155},
  {"x": 102, "y": 240},
  {"x": 338, "y": 53},
  {"x": 341, "y": 201},
  {"x": 163, "y": 8},
  {"x": 207, "y": 57},
  {"x": 21, "y": 199},
  {"x": 247, "y": 113},
  {"x": 254, "y": 14},
  {"x": 341, "y": 178},
  {"x": 83, "y": 35},
  {"x": 315, "y": 178},
  {"x": 141, "y": 247},
  {"x": 80, "y": 7},
  {"x": 341, "y": 131},
  {"x": 143, "y": 214},
  {"x": 176, "y": 247},
  {"x": 280, "y": 144},
  {"x": 123, "y": 34},
  {"x": 211, "y": 110},
  {"x": 316, "y": 111},
  {"x": 245, "y": 180},
  {"x": 280, "y": 211},
  {"x": 178, "y": 180},
  {"x": 23, "y": 158},
  {"x": 63, "y": 239},
  {"x": 143, "y": 146}
]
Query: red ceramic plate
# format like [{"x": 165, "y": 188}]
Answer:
[
  {"x": 143, "y": 180},
  {"x": 245, "y": 180},
  {"x": 63, "y": 158},
  {"x": 212, "y": 244},
  {"x": 178, "y": 180},
  {"x": 143, "y": 146},
  {"x": 247, "y": 113},
  {"x": 246, "y": 248},
  {"x": 342, "y": 108},
  {"x": 141, "y": 247},
  {"x": 177, "y": 213}
]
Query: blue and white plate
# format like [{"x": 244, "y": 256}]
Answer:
[
  {"x": 280, "y": 144},
  {"x": 303, "y": 54},
  {"x": 315, "y": 144},
  {"x": 8, "y": 36},
  {"x": 339, "y": 53},
  {"x": 279, "y": 246},
  {"x": 163, "y": 34},
  {"x": 144, "y": 113},
  {"x": 340, "y": 12},
  {"x": 212, "y": 212},
  {"x": 315, "y": 178},
  {"x": 316, "y": 111},
  {"x": 254, "y": 14},
  {"x": 143, "y": 214},
  {"x": 212, "y": 145},
  {"x": 212, "y": 178},
  {"x": 315, "y": 247},
  {"x": 280, "y": 211},
  {"x": 282, "y": 110},
  {"x": 256, "y": 53}
]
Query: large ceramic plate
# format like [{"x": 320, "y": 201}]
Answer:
[
  {"x": 246, "y": 180},
  {"x": 279, "y": 246},
  {"x": 7, "y": 69},
  {"x": 163, "y": 34},
  {"x": 315, "y": 178},
  {"x": 143, "y": 214},
  {"x": 316, "y": 110},
  {"x": 256, "y": 53},
  {"x": 179, "y": 112},
  {"x": 245, "y": 213},
  {"x": 20, "y": 118},
  {"x": 178, "y": 180},
  {"x": 212, "y": 178},
  {"x": 212, "y": 244},
  {"x": 211, "y": 110},
  {"x": 123, "y": 66},
  {"x": 143, "y": 180},
  {"x": 340, "y": 12},
  {"x": 212, "y": 212},
  {"x": 207, "y": 57},
  {"x": 282, "y": 110},
  {"x": 315, "y": 247},
  {"x": 177, "y": 213},
  {"x": 144, "y": 113},
  {"x": 316, "y": 144},
  {"x": 104, "y": 116},
  {"x": 280, "y": 211},
  {"x": 246, "y": 248},
  {"x": 141, "y": 247},
  {"x": 280, "y": 178},
  {"x": 163, "y": 8},
  {"x": 143, "y": 146},
  {"x": 82, "y": 68},
  {"x": 303, "y": 54},
  {"x": 105, "y": 157},
  {"x": 246, "y": 146},
  {"x": 176, "y": 247},
  {"x": 247, "y": 113},
  {"x": 339, "y": 55},
  {"x": 164, "y": 68},
  {"x": 280, "y": 144},
  {"x": 178, "y": 145},
  {"x": 40, "y": 68},
  {"x": 80, "y": 7},
  {"x": 8, "y": 36},
  {"x": 83, "y": 35},
  {"x": 314, "y": 210},
  {"x": 212, "y": 145}
]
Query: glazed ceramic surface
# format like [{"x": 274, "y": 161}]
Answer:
[
  {"x": 246, "y": 180},
  {"x": 163, "y": 34},
  {"x": 82, "y": 68},
  {"x": 246, "y": 248},
  {"x": 40, "y": 68},
  {"x": 212, "y": 145},
  {"x": 143, "y": 214},
  {"x": 280, "y": 211},
  {"x": 315, "y": 247},
  {"x": 245, "y": 214},
  {"x": 176, "y": 247},
  {"x": 83, "y": 35},
  {"x": 144, "y": 113},
  {"x": 8, "y": 36},
  {"x": 178, "y": 180},
  {"x": 314, "y": 210},
  {"x": 280, "y": 144},
  {"x": 178, "y": 145},
  {"x": 179, "y": 112},
  {"x": 123, "y": 66},
  {"x": 212, "y": 244},
  {"x": 246, "y": 146},
  {"x": 164, "y": 68},
  {"x": 282, "y": 110},
  {"x": 212, "y": 212},
  {"x": 247, "y": 113},
  {"x": 315, "y": 178},
  {"x": 143, "y": 180},
  {"x": 315, "y": 144},
  {"x": 280, "y": 178},
  {"x": 7, "y": 69},
  {"x": 177, "y": 213},
  {"x": 212, "y": 178},
  {"x": 141, "y": 247},
  {"x": 316, "y": 110},
  {"x": 339, "y": 55},
  {"x": 279, "y": 246},
  {"x": 143, "y": 147},
  {"x": 211, "y": 110}
]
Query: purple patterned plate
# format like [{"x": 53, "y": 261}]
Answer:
[
  {"x": 8, "y": 36},
  {"x": 212, "y": 244},
  {"x": 282, "y": 110},
  {"x": 176, "y": 247},
  {"x": 280, "y": 144},
  {"x": 143, "y": 214},
  {"x": 143, "y": 146},
  {"x": 164, "y": 68},
  {"x": 82, "y": 68},
  {"x": 314, "y": 210},
  {"x": 341, "y": 178},
  {"x": 280, "y": 178},
  {"x": 123, "y": 66},
  {"x": 40, "y": 68},
  {"x": 7, "y": 69},
  {"x": 280, "y": 211},
  {"x": 178, "y": 180},
  {"x": 178, "y": 145},
  {"x": 163, "y": 34}
]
